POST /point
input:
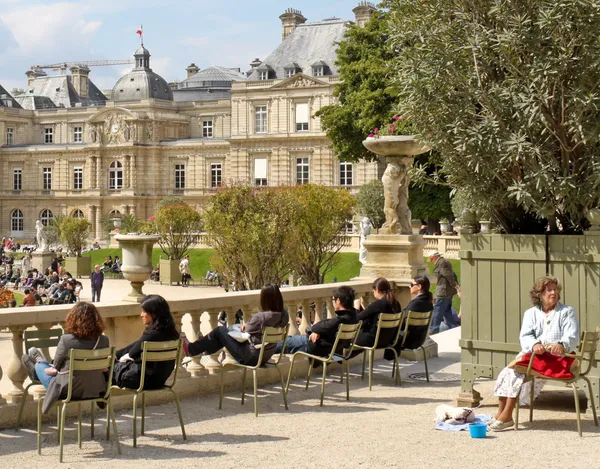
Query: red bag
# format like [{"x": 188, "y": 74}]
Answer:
[{"x": 548, "y": 365}]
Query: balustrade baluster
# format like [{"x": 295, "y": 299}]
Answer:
[
  {"x": 211, "y": 362},
  {"x": 291, "y": 309},
  {"x": 17, "y": 373},
  {"x": 319, "y": 309},
  {"x": 305, "y": 316},
  {"x": 2, "y": 400},
  {"x": 177, "y": 317},
  {"x": 196, "y": 368},
  {"x": 39, "y": 390},
  {"x": 330, "y": 308},
  {"x": 230, "y": 320}
]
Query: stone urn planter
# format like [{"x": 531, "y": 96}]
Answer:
[
  {"x": 169, "y": 272},
  {"x": 137, "y": 261},
  {"x": 485, "y": 226},
  {"x": 444, "y": 227}
]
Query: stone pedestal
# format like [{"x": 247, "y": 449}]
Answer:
[
  {"x": 41, "y": 260},
  {"x": 395, "y": 257}
]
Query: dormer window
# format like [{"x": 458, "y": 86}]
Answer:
[
  {"x": 291, "y": 69},
  {"x": 263, "y": 75},
  {"x": 320, "y": 69},
  {"x": 265, "y": 72}
]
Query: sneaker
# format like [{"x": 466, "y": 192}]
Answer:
[
  {"x": 29, "y": 363},
  {"x": 499, "y": 426},
  {"x": 37, "y": 356}
]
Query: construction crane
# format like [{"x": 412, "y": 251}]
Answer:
[{"x": 63, "y": 66}]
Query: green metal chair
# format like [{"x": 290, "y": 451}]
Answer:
[
  {"x": 271, "y": 335},
  {"x": 41, "y": 339},
  {"x": 83, "y": 360},
  {"x": 413, "y": 319},
  {"x": 345, "y": 332},
  {"x": 386, "y": 321},
  {"x": 586, "y": 353},
  {"x": 154, "y": 352}
]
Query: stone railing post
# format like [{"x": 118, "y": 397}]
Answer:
[
  {"x": 248, "y": 311},
  {"x": 17, "y": 373},
  {"x": 196, "y": 368},
  {"x": 319, "y": 309},
  {"x": 177, "y": 317},
  {"x": 330, "y": 308},
  {"x": 211, "y": 362},
  {"x": 305, "y": 316},
  {"x": 291, "y": 309}
]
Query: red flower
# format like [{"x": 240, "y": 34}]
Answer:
[
  {"x": 396, "y": 118},
  {"x": 151, "y": 218},
  {"x": 370, "y": 135},
  {"x": 376, "y": 131}
]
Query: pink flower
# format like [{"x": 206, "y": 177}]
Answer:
[
  {"x": 117, "y": 230},
  {"x": 396, "y": 118},
  {"x": 370, "y": 135},
  {"x": 403, "y": 117},
  {"x": 376, "y": 130},
  {"x": 151, "y": 218}
]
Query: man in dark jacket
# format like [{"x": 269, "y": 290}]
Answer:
[
  {"x": 320, "y": 338},
  {"x": 447, "y": 286},
  {"x": 97, "y": 280}
]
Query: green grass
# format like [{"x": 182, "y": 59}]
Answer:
[
  {"x": 199, "y": 258},
  {"x": 346, "y": 266}
]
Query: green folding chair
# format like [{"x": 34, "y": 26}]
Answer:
[
  {"x": 153, "y": 352},
  {"x": 41, "y": 339},
  {"x": 83, "y": 360},
  {"x": 586, "y": 352},
  {"x": 413, "y": 319},
  {"x": 386, "y": 321},
  {"x": 345, "y": 332},
  {"x": 270, "y": 335}
]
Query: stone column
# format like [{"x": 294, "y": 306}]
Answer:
[
  {"x": 91, "y": 216},
  {"x": 94, "y": 173},
  {"x": 128, "y": 171},
  {"x": 16, "y": 371},
  {"x": 195, "y": 367},
  {"x": 211, "y": 362},
  {"x": 98, "y": 230}
]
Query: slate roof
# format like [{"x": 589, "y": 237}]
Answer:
[
  {"x": 212, "y": 77},
  {"x": 306, "y": 45},
  {"x": 57, "y": 91},
  {"x": 15, "y": 103}
]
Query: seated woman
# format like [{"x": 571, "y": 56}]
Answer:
[
  {"x": 107, "y": 264},
  {"x": 160, "y": 327},
  {"x": 548, "y": 327},
  {"x": 116, "y": 267},
  {"x": 155, "y": 275},
  {"x": 246, "y": 353},
  {"x": 84, "y": 327},
  {"x": 421, "y": 303},
  {"x": 385, "y": 303}
]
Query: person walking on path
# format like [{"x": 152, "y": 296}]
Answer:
[
  {"x": 447, "y": 286},
  {"x": 184, "y": 268},
  {"x": 97, "y": 280}
]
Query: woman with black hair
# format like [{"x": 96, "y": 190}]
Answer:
[
  {"x": 246, "y": 353},
  {"x": 160, "y": 327},
  {"x": 385, "y": 303}
]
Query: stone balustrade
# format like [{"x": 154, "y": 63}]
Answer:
[
  {"x": 123, "y": 326},
  {"x": 448, "y": 246}
]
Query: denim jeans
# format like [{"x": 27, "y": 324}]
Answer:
[
  {"x": 41, "y": 374},
  {"x": 442, "y": 309},
  {"x": 293, "y": 344}
]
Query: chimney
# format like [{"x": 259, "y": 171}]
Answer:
[
  {"x": 290, "y": 19},
  {"x": 363, "y": 12},
  {"x": 80, "y": 80},
  {"x": 192, "y": 70},
  {"x": 33, "y": 74},
  {"x": 255, "y": 63}
]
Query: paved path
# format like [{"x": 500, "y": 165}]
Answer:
[{"x": 388, "y": 427}]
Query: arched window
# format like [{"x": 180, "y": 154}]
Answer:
[
  {"x": 114, "y": 214},
  {"x": 16, "y": 220},
  {"x": 77, "y": 214},
  {"x": 46, "y": 216},
  {"x": 115, "y": 175}
]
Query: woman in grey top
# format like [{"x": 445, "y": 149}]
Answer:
[
  {"x": 246, "y": 353},
  {"x": 84, "y": 328}
]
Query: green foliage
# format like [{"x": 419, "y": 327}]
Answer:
[
  {"x": 250, "y": 232},
  {"x": 178, "y": 225},
  {"x": 370, "y": 202},
  {"x": 367, "y": 98},
  {"x": 429, "y": 202},
  {"x": 53, "y": 230},
  {"x": 319, "y": 217},
  {"x": 74, "y": 233},
  {"x": 507, "y": 92},
  {"x": 171, "y": 200},
  {"x": 106, "y": 225}
]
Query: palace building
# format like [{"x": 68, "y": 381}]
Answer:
[{"x": 68, "y": 148}]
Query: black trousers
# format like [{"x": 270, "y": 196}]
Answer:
[{"x": 219, "y": 338}]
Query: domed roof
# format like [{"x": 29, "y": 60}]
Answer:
[
  {"x": 141, "y": 82},
  {"x": 213, "y": 77}
]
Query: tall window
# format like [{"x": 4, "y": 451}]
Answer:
[
  {"x": 47, "y": 179},
  {"x": 77, "y": 178},
  {"x": 48, "y": 135},
  {"x": 264, "y": 75},
  {"x": 260, "y": 172},
  {"x": 77, "y": 134},
  {"x": 207, "y": 129},
  {"x": 77, "y": 214},
  {"x": 179, "y": 176},
  {"x": 46, "y": 216},
  {"x": 318, "y": 71},
  {"x": 10, "y": 135},
  {"x": 289, "y": 72},
  {"x": 261, "y": 119},
  {"x": 216, "y": 174},
  {"x": 345, "y": 173},
  {"x": 17, "y": 179},
  {"x": 16, "y": 220},
  {"x": 115, "y": 175},
  {"x": 302, "y": 171},
  {"x": 301, "y": 117}
]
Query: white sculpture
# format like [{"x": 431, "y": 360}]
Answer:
[
  {"x": 41, "y": 236},
  {"x": 365, "y": 230},
  {"x": 395, "y": 186}
]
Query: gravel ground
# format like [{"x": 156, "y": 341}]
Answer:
[{"x": 387, "y": 427}]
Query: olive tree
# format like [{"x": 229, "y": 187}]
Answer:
[{"x": 178, "y": 225}]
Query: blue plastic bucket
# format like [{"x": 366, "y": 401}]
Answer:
[{"x": 477, "y": 430}]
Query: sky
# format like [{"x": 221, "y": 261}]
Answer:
[{"x": 229, "y": 34}]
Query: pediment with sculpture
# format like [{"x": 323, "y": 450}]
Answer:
[
  {"x": 300, "y": 80},
  {"x": 113, "y": 126}
]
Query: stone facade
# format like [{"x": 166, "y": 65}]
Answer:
[{"x": 124, "y": 156}]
